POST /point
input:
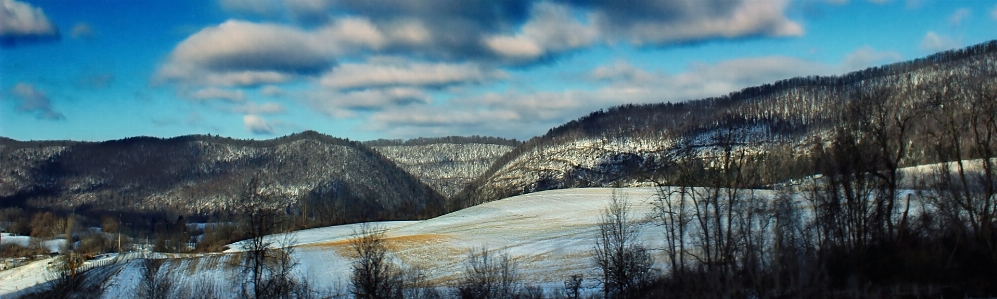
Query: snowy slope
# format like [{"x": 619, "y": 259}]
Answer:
[
  {"x": 550, "y": 233},
  {"x": 447, "y": 167},
  {"x": 53, "y": 246},
  {"x": 26, "y": 276}
]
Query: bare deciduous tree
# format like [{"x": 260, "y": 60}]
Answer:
[
  {"x": 487, "y": 276},
  {"x": 155, "y": 284},
  {"x": 626, "y": 265},
  {"x": 268, "y": 258},
  {"x": 374, "y": 275},
  {"x": 572, "y": 287}
]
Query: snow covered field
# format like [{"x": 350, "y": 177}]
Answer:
[
  {"x": 53, "y": 246},
  {"x": 549, "y": 233}
]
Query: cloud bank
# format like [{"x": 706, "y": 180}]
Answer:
[
  {"x": 401, "y": 65},
  {"x": 20, "y": 22}
]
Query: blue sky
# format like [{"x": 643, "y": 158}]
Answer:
[{"x": 358, "y": 69}]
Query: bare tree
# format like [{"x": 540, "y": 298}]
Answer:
[
  {"x": 268, "y": 257},
  {"x": 155, "y": 284},
  {"x": 374, "y": 275},
  {"x": 626, "y": 265},
  {"x": 671, "y": 211},
  {"x": 572, "y": 287},
  {"x": 417, "y": 285},
  {"x": 964, "y": 190},
  {"x": 487, "y": 276}
]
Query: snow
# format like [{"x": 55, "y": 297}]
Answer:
[
  {"x": 549, "y": 233},
  {"x": 26, "y": 276},
  {"x": 6, "y": 238},
  {"x": 913, "y": 176},
  {"x": 322, "y": 234},
  {"x": 53, "y": 246}
]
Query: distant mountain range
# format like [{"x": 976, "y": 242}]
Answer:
[{"x": 630, "y": 145}]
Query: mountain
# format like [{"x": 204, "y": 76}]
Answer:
[
  {"x": 634, "y": 145},
  {"x": 333, "y": 179},
  {"x": 448, "y": 164}
]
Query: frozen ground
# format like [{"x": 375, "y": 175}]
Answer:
[
  {"x": 53, "y": 246},
  {"x": 549, "y": 233},
  {"x": 26, "y": 276}
]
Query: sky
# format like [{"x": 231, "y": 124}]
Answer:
[{"x": 397, "y": 69}]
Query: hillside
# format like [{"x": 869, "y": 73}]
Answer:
[
  {"x": 547, "y": 254},
  {"x": 634, "y": 145},
  {"x": 447, "y": 165},
  {"x": 203, "y": 175}
]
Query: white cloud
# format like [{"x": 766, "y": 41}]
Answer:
[
  {"x": 237, "y": 53},
  {"x": 993, "y": 13},
  {"x": 517, "y": 47},
  {"x": 257, "y": 125},
  {"x": 20, "y": 21},
  {"x": 934, "y": 42},
  {"x": 959, "y": 16},
  {"x": 674, "y": 22},
  {"x": 386, "y": 73},
  {"x": 240, "y": 53},
  {"x": 342, "y": 104},
  {"x": 212, "y": 93},
  {"x": 351, "y": 33},
  {"x": 386, "y": 82},
  {"x": 34, "y": 101},
  {"x": 551, "y": 29}
]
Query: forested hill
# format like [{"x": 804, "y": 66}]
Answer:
[
  {"x": 448, "y": 164},
  {"x": 327, "y": 178},
  {"x": 785, "y": 121}
]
